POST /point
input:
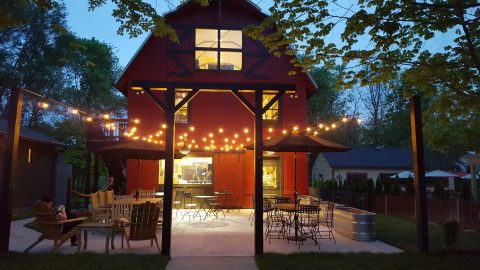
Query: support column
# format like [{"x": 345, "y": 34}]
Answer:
[
  {"x": 169, "y": 157},
  {"x": 88, "y": 168},
  {"x": 258, "y": 148},
  {"x": 419, "y": 169},
  {"x": 10, "y": 160},
  {"x": 95, "y": 173}
]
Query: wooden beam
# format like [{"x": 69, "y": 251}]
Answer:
[
  {"x": 146, "y": 85},
  {"x": 258, "y": 148},
  {"x": 168, "y": 185},
  {"x": 156, "y": 100},
  {"x": 10, "y": 161},
  {"x": 419, "y": 170},
  {"x": 186, "y": 99},
  {"x": 243, "y": 100},
  {"x": 88, "y": 169},
  {"x": 95, "y": 172},
  {"x": 272, "y": 101}
]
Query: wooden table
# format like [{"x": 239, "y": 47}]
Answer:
[{"x": 84, "y": 227}]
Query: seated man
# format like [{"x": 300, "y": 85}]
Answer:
[{"x": 62, "y": 215}]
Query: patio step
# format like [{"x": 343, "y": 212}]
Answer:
[{"x": 212, "y": 263}]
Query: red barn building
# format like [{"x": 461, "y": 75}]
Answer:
[
  {"x": 215, "y": 72},
  {"x": 212, "y": 50}
]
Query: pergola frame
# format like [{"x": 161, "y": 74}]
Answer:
[{"x": 169, "y": 108}]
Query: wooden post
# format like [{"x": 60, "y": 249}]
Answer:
[
  {"x": 88, "y": 168},
  {"x": 95, "y": 172},
  {"x": 10, "y": 161},
  {"x": 258, "y": 148},
  {"x": 419, "y": 169},
  {"x": 169, "y": 157}
]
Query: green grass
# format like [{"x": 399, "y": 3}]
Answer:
[
  {"x": 49, "y": 261},
  {"x": 397, "y": 232},
  {"x": 402, "y": 233},
  {"x": 367, "y": 261}
]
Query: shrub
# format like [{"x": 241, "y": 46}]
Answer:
[
  {"x": 387, "y": 187},
  {"x": 378, "y": 186},
  {"x": 410, "y": 189},
  {"x": 465, "y": 191},
  {"x": 396, "y": 190},
  {"x": 438, "y": 191},
  {"x": 451, "y": 232}
]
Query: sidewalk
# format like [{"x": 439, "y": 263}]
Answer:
[{"x": 212, "y": 263}]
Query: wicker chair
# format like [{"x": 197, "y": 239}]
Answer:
[
  {"x": 50, "y": 227},
  {"x": 143, "y": 224}
]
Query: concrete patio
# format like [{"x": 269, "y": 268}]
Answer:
[{"x": 229, "y": 236}]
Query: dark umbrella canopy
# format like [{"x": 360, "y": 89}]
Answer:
[
  {"x": 135, "y": 150},
  {"x": 300, "y": 143},
  {"x": 139, "y": 150}
]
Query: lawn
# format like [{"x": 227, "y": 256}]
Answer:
[
  {"x": 397, "y": 232},
  {"x": 49, "y": 261}
]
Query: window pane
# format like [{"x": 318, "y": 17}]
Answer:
[
  {"x": 230, "y": 60},
  {"x": 193, "y": 170},
  {"x": 182, "y": 115},
  {"x": 231, "y": 39},
  {"x": 270, "y": 174},
  {"x": 206, "y": 60},
  {"x": 272, "y": 113},
  {"x": 206, "y": 38}
]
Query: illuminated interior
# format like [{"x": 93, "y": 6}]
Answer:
[
  {"x": 208, "y": 49},
  {"x": 189, "y": 170}
]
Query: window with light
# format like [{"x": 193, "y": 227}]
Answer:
[
  {"x": 182, "y": 115},
  {"x": 271, "y": 115},
  {"x": 218, "y": 49}
]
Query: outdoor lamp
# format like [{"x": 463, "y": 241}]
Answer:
[{"x": 184, "y": 149}]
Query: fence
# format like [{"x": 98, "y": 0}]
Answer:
[{"x": 440, "y": 210}]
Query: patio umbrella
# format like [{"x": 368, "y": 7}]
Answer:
[
  {"x": 440, "y": 173},
  {"x": 138, "y": 150},
  {"x": 299, "y": 142},
  {"x": 404, "y": 174}
]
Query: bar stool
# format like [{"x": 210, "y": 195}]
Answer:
[{"x": 179, "y": 201}]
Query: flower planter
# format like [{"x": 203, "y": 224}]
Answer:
[{"x": 354, "y": 223}]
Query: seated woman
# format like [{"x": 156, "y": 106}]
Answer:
[{"x": 62, "y": 215}]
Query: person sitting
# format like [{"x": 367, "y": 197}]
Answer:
[{"x": 62, "y": 215}]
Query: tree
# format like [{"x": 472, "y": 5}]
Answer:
[
  {"x": 389, "y": 39},
  {"x": 377, "y": 105},
  {"x": 135, "y": 17}
]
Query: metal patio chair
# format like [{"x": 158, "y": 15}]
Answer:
[
  {"x": 326, "y": 220},
  {"x": 309, "y": 220}
]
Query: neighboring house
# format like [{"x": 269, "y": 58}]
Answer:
[
  {"x": 214, "y": 56},
  {"x": 41, "y": 168},
  {"x": 370, "y": 162}
]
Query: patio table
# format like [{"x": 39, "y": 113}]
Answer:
[
  {"x": 224, "y": 195},
  {"x": 293, "y": 209},
  {"x": 202, "y": 200},
  {"x": 84, "y": 227}
]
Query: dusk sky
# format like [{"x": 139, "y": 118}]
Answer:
[{"x": 101, "y": 25}]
